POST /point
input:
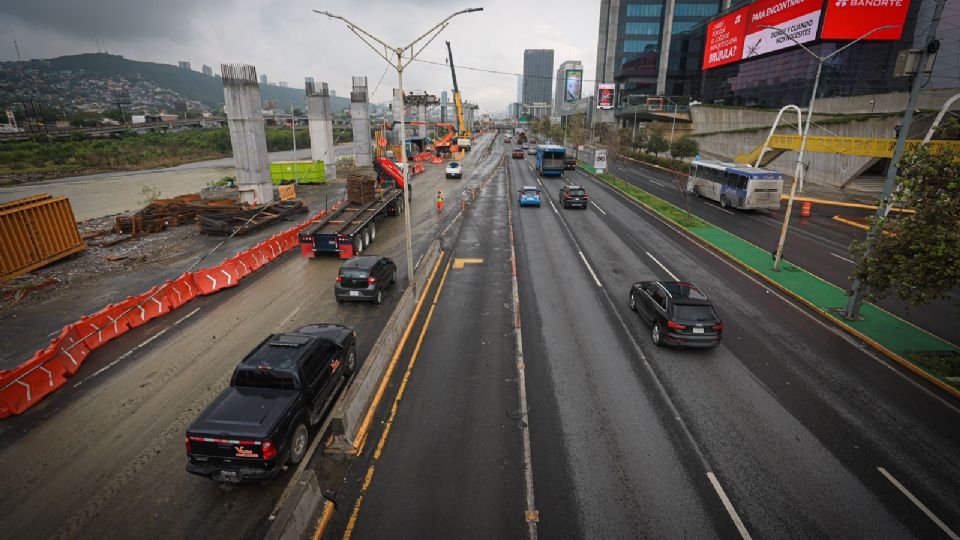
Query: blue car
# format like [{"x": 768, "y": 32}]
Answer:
[{"x": 529, "y": 196}]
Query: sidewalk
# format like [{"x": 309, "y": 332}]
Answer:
[{"x": 916, "y": 349}]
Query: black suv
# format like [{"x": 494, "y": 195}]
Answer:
[
  {"x": 365, "y": 278},
  {"x": 278, "y": 391},
  {"x": 678, "y": 313},
  {"x": 573, "y": 196}
]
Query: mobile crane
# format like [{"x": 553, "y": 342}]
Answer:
[{"x": 464, "y": 137}]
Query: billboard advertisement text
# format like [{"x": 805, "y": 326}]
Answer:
[
  {"x": 725, "y": 39},
  {"x": 798, "y": 19},
  {"x": 850, "y": 19}
]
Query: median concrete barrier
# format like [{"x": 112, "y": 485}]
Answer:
[
  {"x": 351, "y": 411},
  {"x": 296, "y": 518}
]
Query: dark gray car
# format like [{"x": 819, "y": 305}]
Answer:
[{"x": 364, "y": 279}]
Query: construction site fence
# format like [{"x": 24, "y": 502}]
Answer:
[{"x": 48, "y": 369}]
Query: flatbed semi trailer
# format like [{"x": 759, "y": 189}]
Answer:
[{"x": 351, "y": 228}]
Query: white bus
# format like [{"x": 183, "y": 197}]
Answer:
[{"x": 736, "y": 185}]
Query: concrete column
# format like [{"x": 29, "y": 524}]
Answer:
[
  {"x": 422, "y": 116},
  {"x": 397, "y": 104},
  {"x": 360, "y": 119},
  {"x": 665, "y": 40},
  {"x": 321, "y": 128},
  {"x": 241, "y": 96}
]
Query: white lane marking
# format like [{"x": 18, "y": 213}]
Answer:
[
  {"x": 665, "y": 269},
  {"x": 729, "y": 506},
  {"x": 541, "y": 183},
  {"x": 883, "y": 361},
  {"x": 720, "y": 208},
  {"x": 843, "y": 258},
  {"x": 943, "y": 526},
  {"x": 554, "y": 207},
  {"x": 651, "y": 180},
  {"x": 138, "y": 347},
  {"x": 522, "y": 390},
  {"x": 592, "y": 274},
  {"x": 598, "y": 207}
]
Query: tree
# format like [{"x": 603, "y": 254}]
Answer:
[
  {"x": 948, "y": 130},
  {"x": 576, "y": 132},
  {"x": 656, "y": 143},
  {"x": 615, "y": 140},
  {"x": 640, "y": 141},
  {"x": 917, "y": 255},
  {"x": 684, "y": 147}
]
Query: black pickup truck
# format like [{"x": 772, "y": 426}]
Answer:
[{"x": 261, "y": 421}]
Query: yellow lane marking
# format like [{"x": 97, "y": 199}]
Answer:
[
  {"x": 365, "y": 426},
  {"x": 459, "y": 263},
  {"x": 847, "y": 204},
  {"x": 348, "y": 532},
  {"x": 324, "y": 520},
  {"x": 851, "y": 223}
]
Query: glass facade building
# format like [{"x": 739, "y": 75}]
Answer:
[
  {"x": 537, "y": 76},
  {"x": 786, "y": 76}
]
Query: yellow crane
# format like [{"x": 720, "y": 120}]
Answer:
[{"x": 464, "y": 137}]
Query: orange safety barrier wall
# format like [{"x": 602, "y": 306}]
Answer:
[{"x": 48, "y": 369}]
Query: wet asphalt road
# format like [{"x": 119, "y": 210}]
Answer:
[
  {"x": 817, "y": 243},
  {"x": 788, "y": 429},
  {"x": 103, "y": 457}
]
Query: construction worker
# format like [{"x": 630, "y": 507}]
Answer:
[{"x": 439, "y": 201}]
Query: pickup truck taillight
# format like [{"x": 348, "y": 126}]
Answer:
[
  {"x": 269, "y": 450},
  {"x": 371, "y": 280}
]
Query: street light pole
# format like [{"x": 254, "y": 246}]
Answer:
[
  {"x": 798, "y": 171},
  {"x": 855, "y": 300},
  {"x": 400, "y": 65}
]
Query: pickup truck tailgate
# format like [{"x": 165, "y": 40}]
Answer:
[{"x": 237, "y": 422}]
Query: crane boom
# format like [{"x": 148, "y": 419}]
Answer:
[{"x": 458, "y": 101}]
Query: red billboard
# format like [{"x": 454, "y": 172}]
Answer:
[
  {"x": 850, "y": 19},
  {"x": 605, "y": 95},
  {"x": 797, "y": 19},
  {"x": 725, "y": 39}
]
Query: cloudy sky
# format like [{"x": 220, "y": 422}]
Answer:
[{"x": 287, "y": 41}]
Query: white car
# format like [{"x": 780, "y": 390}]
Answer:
[{"x": 454, "y": 170}]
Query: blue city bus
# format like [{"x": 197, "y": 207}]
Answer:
[
  {"x": 550, "y": 159},
  {"x": 736, "y": 185}
]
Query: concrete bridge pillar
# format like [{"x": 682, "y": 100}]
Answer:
[
  {"x": 360, "y": 119},
  {"x": 396, "y": 108},
  {"x": 422, "y": 116},
  {"x": 321, "y": 128},
  {"x": 241, "y": 95}
]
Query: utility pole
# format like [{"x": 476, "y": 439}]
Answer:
[{"x": 931, "y": 45}]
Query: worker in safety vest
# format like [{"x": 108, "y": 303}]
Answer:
[{"x": 439, "y": 200}]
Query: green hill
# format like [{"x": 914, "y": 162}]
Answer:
[{"x": 189, "y": 84}]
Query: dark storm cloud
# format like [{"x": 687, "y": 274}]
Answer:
[{"x": 119, "y": 20}]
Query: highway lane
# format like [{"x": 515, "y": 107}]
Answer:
[
  {"x": 451, "y": 462},
  {"x": 792, "y": 417},
  {"x": 104, "y": 456},
  {"x": 817, "y": 244}
]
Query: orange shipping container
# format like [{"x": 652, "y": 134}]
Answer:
[{"x": 35, "y": 232}]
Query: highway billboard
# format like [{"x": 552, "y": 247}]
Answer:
[
  {"x": 605, "y": 93},
  {"x": 850, "y": 19},
  {"x": 741, "y": 35},
  {"x": 573, "y": 84}
]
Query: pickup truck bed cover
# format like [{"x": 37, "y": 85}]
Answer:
[{"x": 231, "y": 412}]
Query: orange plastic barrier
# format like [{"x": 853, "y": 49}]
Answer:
[
  {"x": 437, "y": 160},
  {"x": 47, "y": 369},
  {"x": 805, "y": 209}
]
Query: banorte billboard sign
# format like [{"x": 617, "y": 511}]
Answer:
[
  {"x": 798, "y": 19},
  {"x": 725, "y": 39},
  {"x": 850, "y": 19}
]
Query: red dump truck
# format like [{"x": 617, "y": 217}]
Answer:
[{"x": 352, "y": 227}]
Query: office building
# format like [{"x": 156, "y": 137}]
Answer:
[
  {"x": 207, "y": 70},
  {"x": 263, "y": 80},
  {"x": 283, "y": 84},
  {"x": 183, "y": 65},
  {"x": 635, "y": 40},
  {"x": 308, "y": 80},
  {"x": 537, "y": 76},
  {"x": 568, "y": 85}
]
